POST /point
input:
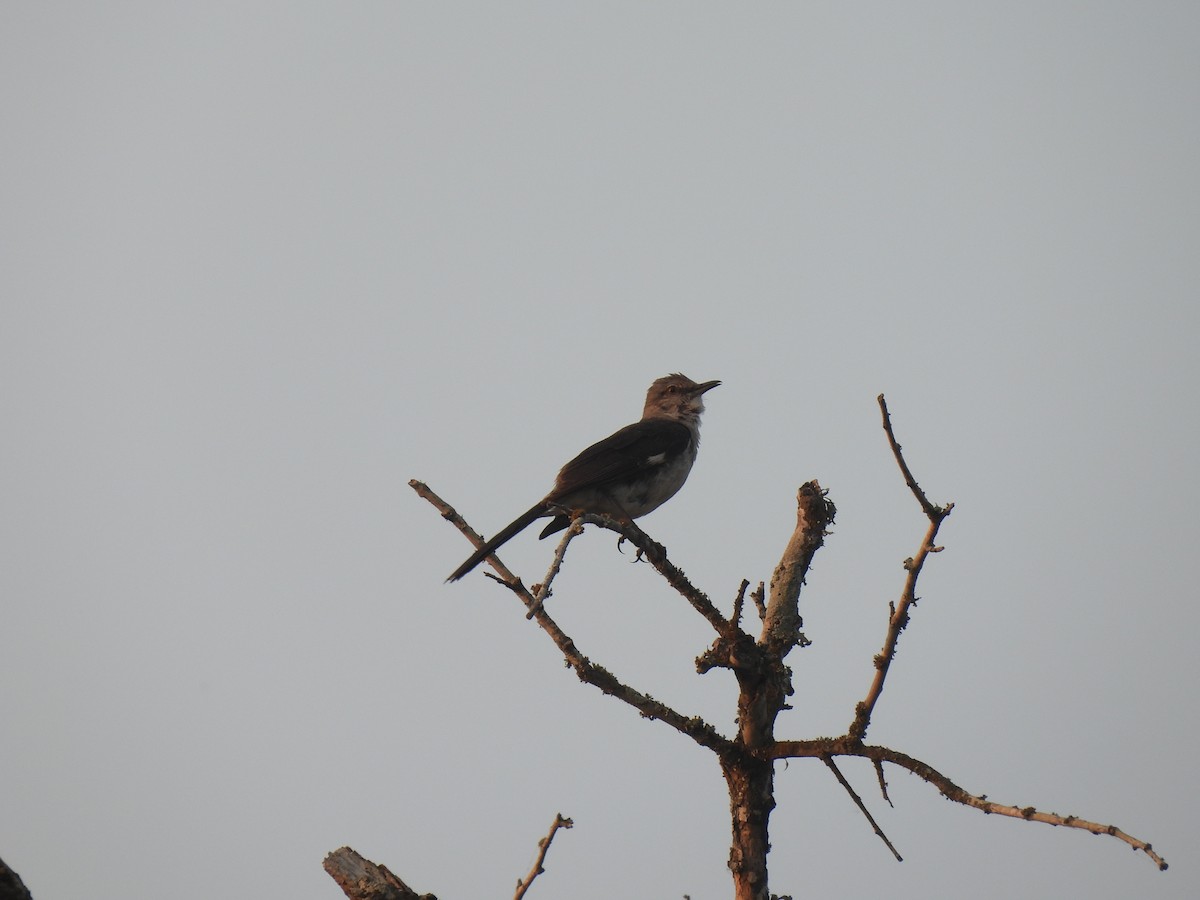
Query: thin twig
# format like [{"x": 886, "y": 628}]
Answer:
[
  {"x": 930, "y": 509},
  {"x": 478, "y": 540},
  {"x": 759, "y": 596},
  {"x": 542, "y": 591},
  {"x": 828, "y": 760},
  {"x": 543, "y": 846},
  {"x": 738, "y": 603},
  {"x": 883, "y": 784}
]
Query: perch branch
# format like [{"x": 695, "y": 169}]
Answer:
[
  {"x": 543, "y": 846},
  {"x": 694, "y": 727},
  {"x": 450, "y": 515},
  {"x": 653, "y": 553}
]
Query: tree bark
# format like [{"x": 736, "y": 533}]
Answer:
[
  {"x": 764, "y": 684},
  {"x": 751, "y": 799},
  {"x": 361, "y": 879}
]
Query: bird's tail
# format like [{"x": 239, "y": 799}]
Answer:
[{"x": 503, "y": 536}]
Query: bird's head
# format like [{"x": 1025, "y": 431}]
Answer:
[{"x": 677, "y": 397}]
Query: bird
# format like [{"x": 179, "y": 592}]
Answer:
[{"x": 630, "y": 473}]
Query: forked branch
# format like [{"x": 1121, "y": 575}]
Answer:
[
  {"x": 693, "y": 726},
  {"x": 898, "y": 619},
  {"x": 824, "y": 748}
]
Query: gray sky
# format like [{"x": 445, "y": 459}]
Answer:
[{"x": 262, "y": 263}]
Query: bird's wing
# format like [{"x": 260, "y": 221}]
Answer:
[{"x": 634, "y": 451}]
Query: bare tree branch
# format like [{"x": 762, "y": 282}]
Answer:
[
  {"x": 782, "y": 624},
  {"x": 898, "y": 619},
  {"x": 931, "y": 510},
  {"x": 693, "y": 726},
  {"x": 477, "y": 539},
  {"x": 883, "y": 784},
  {"x": 858, "y": 801},
  {"x": 543, "y": 846},
  {"x": 542, "y": 591},
  {"x": 657, "y": 557},
  {"x": 361, "y": 879},
  {"x": 654, "y": 553},
  {"x": 759, "y": 596},
  {"x": 847, "y": 746},
  {"x": 738, "y": 602}
]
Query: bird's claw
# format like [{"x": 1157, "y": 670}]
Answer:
[{"x": 655, "y": 553}]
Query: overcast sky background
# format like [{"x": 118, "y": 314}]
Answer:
[{"x": 261, "y": 263}]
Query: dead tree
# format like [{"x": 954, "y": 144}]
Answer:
[{"x": 758, "y": 662}]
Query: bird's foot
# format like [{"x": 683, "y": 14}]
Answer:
[
  {"x": 637, "y": 557},
  {"x": 653, "y": 552}
]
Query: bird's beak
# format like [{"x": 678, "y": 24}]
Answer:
[{"x": 706, "y": 386}]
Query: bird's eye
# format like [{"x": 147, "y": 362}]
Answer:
[{"x": 671, "y": 389}]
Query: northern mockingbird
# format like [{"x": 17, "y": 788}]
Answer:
[{"x": 626, "y": 475}]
